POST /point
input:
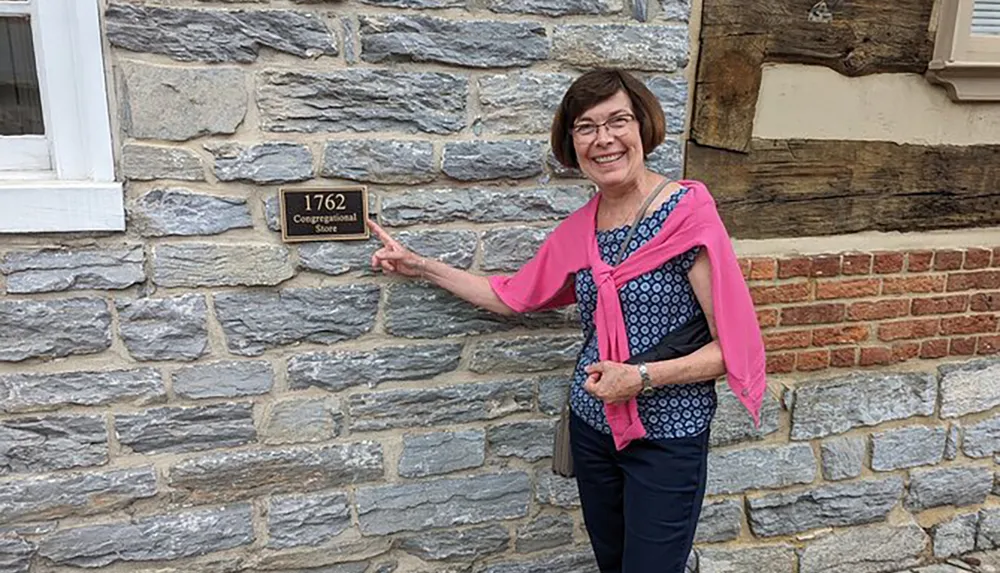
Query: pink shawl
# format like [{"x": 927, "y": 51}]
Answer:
[{"x": 546, "y": 282}]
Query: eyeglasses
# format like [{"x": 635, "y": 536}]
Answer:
[{"x": 615, "y": 125}]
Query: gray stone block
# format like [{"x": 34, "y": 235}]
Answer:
[
  {"x": 732, "y": 423},
  {"x": 244, "y": 474},
  {"x": 54, "y": 270},
  {"x": 465, "y": 544},
  {"x": 552, "y": 393},
  {"x": 164, "y": 328},
  {"x": 229, "y": 379},
  {"x": 573, "y": 559},
  {"x": 854, "y": 503},
  {"x": 150, "y": 162},
  {"x": 667, "y": 159},
  {"x": 349, "y": 556},
  {"x": 298, "y": 420},
  {"x": 336, "y": 371},
  {"x": 216, "y": 35},
  {"x": 178, "y": 104},
  {"x": 956, "y": 536},
  {"x": 78, "y": 494},
  {"x": 338, "y": 258},
  {"x": 551, "y": 489},
  {"x": 173, "y": 211},
  {"x": 556, "y": 7},
  {"x": 215, "y": 265},
  {"x": 294, "y": 520},
  {"x": 833, "y": 406},
  {"x": 970, "y": 387},
  {"x": 677, "y": 10},
  {"x": 648, "y": 48},
  {"x": 458, "y": 403},
  {"x": 982, "y": 439},
  {"x": 483, "y": 160},
  {"x": 349, "y": 32},
  {"x": 954, "y": 440},
  {"x": 720, "y": 520},
  {"x": 380, "y": 161},
  {"x": 16, "y": 554},
  {"x": 272, "y": 213},
  {"x": 482, "y": 205},
  {"x": 419, "y": 4},
  {"x": 520, "y": 102},
  {"x": 988, "y": 534},
  {"x": 457, "y": 248},
  {"x": 843, "y": 457},
  {"x": 560, "y": 171},
  {"x": 507, "y": 249},
  {"x": 442, "y": 452},
  {"x": 908, "y": 447},
  {"x": 672, "y": 92},
  {"x": 37, "y": 528},
  {"x": 734, "y": 471},
  {"x": 529, "y": 440},
  {"x": 52, "y": 443},
  {"x": 362, "y": 100},
  {"x": 468, "y": 43},
  {"x": 875, "y": 549},
  {"x": 525, "y": 354},
  {"x": 769, "y": 559},
  {"x": 416, "y": 310},
  {"x": 151, "y": 538},
  {"x": 35, "y": 392},
  {"x": 545, "y": 532},
  {"x": 390, "y": 509},
  {"x": 256, "y": 321},
  {"x": 162, "y": 430},
  {"x": 263, "y": 164},
  {"x": 53, "y": 328},
  {"x": 954, "y": 485}
]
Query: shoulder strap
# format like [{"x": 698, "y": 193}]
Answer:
[{"x": 638, "y": 217}]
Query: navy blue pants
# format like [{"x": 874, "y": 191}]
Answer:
[{"x": 640, "y": 505}]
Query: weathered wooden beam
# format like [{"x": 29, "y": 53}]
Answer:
[
  {"x": 793, "y": 188},
  {"x": 853, "y": 37}
]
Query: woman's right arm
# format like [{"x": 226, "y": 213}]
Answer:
[{"x": 393, "y": 257}]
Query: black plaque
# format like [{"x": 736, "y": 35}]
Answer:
[{"x": 323, "y": 214}]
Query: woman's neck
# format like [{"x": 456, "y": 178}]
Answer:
[{"x": 631, "y": 192}]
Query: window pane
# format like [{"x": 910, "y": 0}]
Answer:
[{"x": 20, "y": 101}]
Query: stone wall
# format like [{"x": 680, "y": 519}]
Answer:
[{"x": 195, "y": 395}]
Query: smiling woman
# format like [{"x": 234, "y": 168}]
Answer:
[{"x": 646, "y": 260}]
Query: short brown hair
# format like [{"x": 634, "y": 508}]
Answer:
[{"x": 591, "y": 89}]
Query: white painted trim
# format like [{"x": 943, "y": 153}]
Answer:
[
  {"x": 15, "y": 8},
  {"x": 83, "y": 195},
  {"x": 60, "y": 206},
  {"x": 77, "y": 100},
  {"x": 24, "y": 153}
]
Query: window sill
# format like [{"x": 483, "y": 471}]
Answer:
[
  {"x": 967, "y": 81},
  {"x": 28, "y": 206}
]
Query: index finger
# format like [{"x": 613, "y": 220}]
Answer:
[{"x": 381, "y": 233}]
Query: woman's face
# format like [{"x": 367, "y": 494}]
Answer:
[{"x": 610, "y": 155}]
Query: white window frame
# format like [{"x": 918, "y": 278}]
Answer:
[{"x": 78, "y": 192}]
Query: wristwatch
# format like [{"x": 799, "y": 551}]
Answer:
[{"x": 647, "y": 382}]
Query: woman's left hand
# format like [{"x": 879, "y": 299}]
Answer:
[{"x": 613, "y": 382}]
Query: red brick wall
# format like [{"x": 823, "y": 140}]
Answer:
[{"x": 876, "y": 308}]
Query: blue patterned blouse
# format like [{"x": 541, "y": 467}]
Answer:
[{"x": 654, "y": 304}]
